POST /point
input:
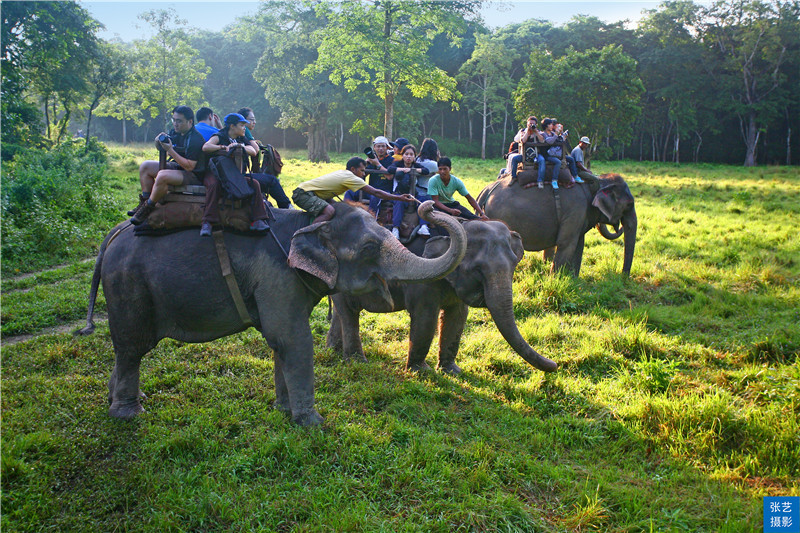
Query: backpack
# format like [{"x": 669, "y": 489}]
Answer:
[
  {"x": 271, "y": 163},
  {"x": 233, "y": 182}
]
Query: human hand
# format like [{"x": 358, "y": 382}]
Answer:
[
  {"x": 408, "y": 198},
  {"x": 455, "y": 212}
]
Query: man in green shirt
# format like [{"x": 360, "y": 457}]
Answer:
[
  {"x": 441, "y": 188},
  {"x": 316, "y": 195}
]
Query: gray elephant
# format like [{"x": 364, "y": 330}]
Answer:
[
  {"x": 483, "y": 279},
  {"x": 545, "y": 220},
  {"x": 173, "y": 286}
]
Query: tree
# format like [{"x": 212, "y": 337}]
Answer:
[
  {"x": 168, "y": 71},
  {"x": 283, "y": 30},
  {"x": 750, "y": 51},
  {"x": 384, "y": 44},
  {"x": 106, "y": 76},
  {"x": 594, "y": 93},
  {"x": 46, "y": 47},
  {"x": 488, "y": 82}
]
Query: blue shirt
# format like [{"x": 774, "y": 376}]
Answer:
[{"x": 205, "y": 130}]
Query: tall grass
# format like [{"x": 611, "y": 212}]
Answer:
[{"x": 675, "y": 407}]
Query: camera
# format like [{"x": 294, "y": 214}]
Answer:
[
  {"x": 370, "y": 153},
  {"x": 164, "y": 138}
]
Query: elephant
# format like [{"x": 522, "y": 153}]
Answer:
[
  {"x": 173, "y": 286},
  {"x": 483, "y": 279},
  {"x": 546, "y": 218}
]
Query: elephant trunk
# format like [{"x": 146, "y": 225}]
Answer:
[
  {"x": 498, "y": 296},
  {"x": 629, "y": 224},
  {"x": 604, "y": 231},
  {"x": 404, "y": 265}
]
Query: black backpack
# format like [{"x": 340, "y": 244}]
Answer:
[{"x": 233, "y": 182}]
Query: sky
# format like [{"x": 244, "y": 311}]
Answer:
[{"x": 120, "y": 18}]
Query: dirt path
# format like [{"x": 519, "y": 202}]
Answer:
[
  {"x": 54, "y": 330},
  {"x": 57, "y": 267}
]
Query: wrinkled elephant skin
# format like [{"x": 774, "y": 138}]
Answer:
[
  {"x": 483, "y": 279},
  {"x": 172, "y": 286}
]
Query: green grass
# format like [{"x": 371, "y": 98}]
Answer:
[{"x": 675, "y": 407}]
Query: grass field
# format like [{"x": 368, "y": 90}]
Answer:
[{"x": 675, "y": 407}]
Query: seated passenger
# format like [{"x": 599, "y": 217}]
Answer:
[
  {"x": 441, "y": 188},
  {"x": 577, "y": 154},
  {"x": 528, "y": 133},
  {"x": 429, "y": 158},
  {"x": 315, "y": 196},
  {"x": 379, "y": 180},
  {"x": 554, "y": 153},
  {"x": 186, "y": 165},
  {"x": 227, "y": 139},
  {"x": 397, "y": 148},
  {"x": 573, "y": 167},
  {"x": 402, "y": 183},
  {"x": 208, "y": 123}
]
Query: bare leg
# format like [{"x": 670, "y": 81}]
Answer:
[
  {"x": 148, "y": 171},
  {"x": 163, "y": 180}
]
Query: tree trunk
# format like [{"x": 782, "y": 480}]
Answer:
[
  {"x": 750, "y": 135},
  {"x": 505, "y": 129},
  {"x": 318, "y": 136},
  {"x": 124, "y": 129},
  {"x": 677, "y": 148},
  {"x": 483, "y": 128},
  {"x": 388, "y": 117},
  {"x": 697, "y": 147}
]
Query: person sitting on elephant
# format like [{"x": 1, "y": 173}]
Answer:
[
  {"x": 186, "y": 165},
  {"x": 224, "y": 141},
  {"x": 573, "y": 168},
  {"x": 208, "y": 122},
  {"x": 315, "y": 196},
  {"x": 529, "y": 133},
  {"x": 397, "y": 148},
  {"x": 402, "y": 183},
  {"x": 441, "y": 188},
  {"x": 577, "y": 154},
  {"x": 554, "y": 153},
  {"x": 379, "y": 180}
]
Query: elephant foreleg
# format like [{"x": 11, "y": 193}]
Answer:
[
  {"x": 422, "y": 331},
  {"x": 334, "y": 338},
  {"x": 294, "y": 376},
  {"x": 565, "y": 254},
  {"x": 451, "y": 327},
  {"x": 548, "y": 254},
  {"x": 349, "y": 327}
]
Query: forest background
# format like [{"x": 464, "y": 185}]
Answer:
[{"x": 688, "y": 82}]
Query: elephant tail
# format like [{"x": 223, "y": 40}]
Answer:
[{"x": 98, "y": 268}]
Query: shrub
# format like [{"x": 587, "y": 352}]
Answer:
[{"x": 54, "y": 206}]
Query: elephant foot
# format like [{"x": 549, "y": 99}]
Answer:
[
  {"x": 307, "y": 417},
  {"x": 421, "y": 366},
  {"x": 125, "y": 410},
  {"x": 355, "y": 358},
  {"x": 282, "y": 407},
  {"x": 450, "y": 368}
]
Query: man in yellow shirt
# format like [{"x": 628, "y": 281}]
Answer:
[{"x": 315, "y": 196}]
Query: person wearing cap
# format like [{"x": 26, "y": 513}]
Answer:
[
  {"x": 398, "y": 145},
  {"x": 227, "y": 139},
  {"x": 315, "y": 196},
  {"x": 577, "y": 154},
  {"x": 378, "y": 179},
  {"x": 185, "y": 165},
  {"x": 529, "y": 133}
]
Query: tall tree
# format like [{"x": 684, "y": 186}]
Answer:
[
  {"x": 168, "y": 71},
  {"x": 487, "y": 78},
  {"x": 751, "y": 49},
  {"x": 106, "y": 76},
  {"x": 594, "y": 92},
  {"x": 384, "y": 43},
  {"x": 283, "y": 31}
]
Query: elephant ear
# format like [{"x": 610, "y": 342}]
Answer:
[
  {"x": 516, "y": 245},
  {"x": 310, "y": 252},
  {"x": 605, "y": 200}
]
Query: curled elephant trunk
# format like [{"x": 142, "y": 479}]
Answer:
[
  {"x": 404, "y": 265},
  {"x": 608, "y": 234},
  {"x": 498, "y": 296}
]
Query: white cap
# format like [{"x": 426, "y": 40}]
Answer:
[
  {"x": 585, "y": 140},
  {"x": 381, "y": 139}
]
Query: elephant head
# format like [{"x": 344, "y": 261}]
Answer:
[
  {"x": 485, "y": 276},
  {"x": 353, "y": 254},
  {"x": 615, "y": 203}
]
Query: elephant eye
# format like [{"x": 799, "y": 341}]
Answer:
[{"x": 370, "y": 251}]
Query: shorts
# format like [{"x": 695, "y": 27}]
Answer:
[
  {"x": 189, "y": 178},
  {"x": 308, "y": 201}
]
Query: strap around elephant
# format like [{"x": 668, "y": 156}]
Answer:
[{"x": 230, "y": 278}]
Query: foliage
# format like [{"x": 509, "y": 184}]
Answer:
[
  {"x": 54, "y": 205},
  {"x": 595, "y": 92},
  {"x": 384, "y": 45}
]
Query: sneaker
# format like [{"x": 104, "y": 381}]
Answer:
[
  {"x": 205, "y": 230},
  {"x": 259, "y": 225},
  {"x": 541, "y": 185},
  {"x": 578, "y": 179},
  {"x": 555, "y": 184},
  {"x": 423, "y": 230},
  {"x": 396, "y": 233}
]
